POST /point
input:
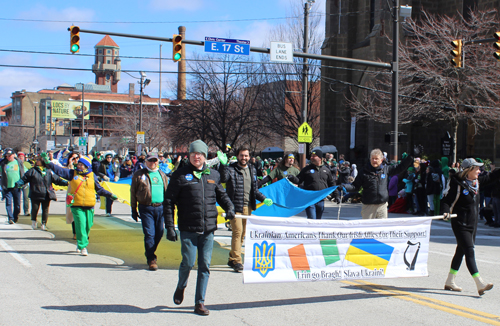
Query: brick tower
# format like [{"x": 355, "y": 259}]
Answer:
[{"x": 107, "y": 64}]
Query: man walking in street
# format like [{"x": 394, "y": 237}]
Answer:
[
  {"x": 374, "y": 179},
  {"x": 241, "y": 185},
  {"x": 148, "y": 189},
  {"x": 315, "y": 176},
  {"x": 11, "y": 169},
  {"x": 195, "y": 189},
  {"x": 25, "y": 190}
]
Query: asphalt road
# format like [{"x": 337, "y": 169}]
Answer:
[{"x": 44, "y": 282}]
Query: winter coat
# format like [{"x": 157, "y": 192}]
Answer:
[
  {"x": 409, "y": 183},
  {"x": 461, "y": 199},
  {"x": 126, "y": 170},
  {"x": 232, "y": 176},
  {"x": 195, "y": 199},
  {"x": 140, "y": 190},
  {"x": 314, "y": 177},
  {"x": 39, "y": 184},
  {"x": 344, "y": 174},
  {"x": 433, "y": 182},
  {"x": 374, "y": 181}
]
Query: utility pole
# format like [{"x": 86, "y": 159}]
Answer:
[
  {"x": 143, "y": 75},
  {"x": 305, "y": 75},
  {"x": 395, "y": 77}
]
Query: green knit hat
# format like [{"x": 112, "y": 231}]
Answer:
[{"x": 198, "y": 146}]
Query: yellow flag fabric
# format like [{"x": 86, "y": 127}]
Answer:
[{"x": 120, "y": 190}]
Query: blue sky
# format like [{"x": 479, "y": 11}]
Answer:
[{"x": 41, "y": 26}]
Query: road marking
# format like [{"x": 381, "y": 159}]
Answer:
[
  {"x": 14, "y": 254},
  {"x": 429, "y": 302}
]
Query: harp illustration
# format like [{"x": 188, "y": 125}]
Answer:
[{"x": 414, "y": 250}]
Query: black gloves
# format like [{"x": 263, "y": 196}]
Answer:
[
  {"x": 171, "y": 234},
  {"x": 230, "y": 215},
  {"x": 418, "y": 150},
  {"x": 135, "y": 215}
]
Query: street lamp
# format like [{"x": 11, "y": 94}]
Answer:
[{"x": 144, "y": 82}]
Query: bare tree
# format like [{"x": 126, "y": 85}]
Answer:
[
  {"x": 17, "y": 138},
  {"x": 282, "y": 97},
  {"x": 220, "y": 108},
  {"x": 431, "y": 88}
]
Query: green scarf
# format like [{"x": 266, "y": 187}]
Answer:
[
  {"x": 199, "y": 173},
  {"x": 42, "y": 170}
]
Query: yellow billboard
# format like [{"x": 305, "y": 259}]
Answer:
[{"x": 71, "y": 110}]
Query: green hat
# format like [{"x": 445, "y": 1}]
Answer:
[{"x": 198, "y": 146}]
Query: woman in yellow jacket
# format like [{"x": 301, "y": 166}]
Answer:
[{"x": 84, "y": 187}]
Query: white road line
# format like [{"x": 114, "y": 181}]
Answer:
[{"x": 14, "y": 254}]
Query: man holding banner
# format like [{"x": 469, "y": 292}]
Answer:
[
  {"x": 374, "y": 179},
  {"x": 241, "y": 185}
]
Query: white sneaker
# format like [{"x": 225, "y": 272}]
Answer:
[
  {"x": 33, "y": 225},
  {"x": 108, "y": 214},
  {"x": 85, "y": 252},
  {"x": 78, "y": 250},
  {"x": 44, "y": 227}
]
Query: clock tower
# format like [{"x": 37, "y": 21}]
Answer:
[{"x": 107, "y": 64}]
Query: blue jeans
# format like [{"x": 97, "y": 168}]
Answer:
[
  {"x": 152, "y": 226},
  {"x": 191, "y": 242},
  {"x": 496, "y": 210},
  {"x": 12, "y": 195},
  {"x": 316, "y": 211},
  {"x": 109, "y": 203}
]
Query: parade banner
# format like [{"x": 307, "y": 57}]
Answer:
[{"x": 297, "y": 250}]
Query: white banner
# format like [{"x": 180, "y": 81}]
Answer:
[{"x": 291, "y": 250}]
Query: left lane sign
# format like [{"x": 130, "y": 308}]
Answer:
[{"x": 227, "y": 46}]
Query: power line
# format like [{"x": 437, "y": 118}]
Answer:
[{"x": 144, "y": 22}]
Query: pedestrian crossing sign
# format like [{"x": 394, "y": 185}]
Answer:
[{"x": 305, "y": 133}]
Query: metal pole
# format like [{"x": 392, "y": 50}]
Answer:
[
  {"x": 395, "y": 77},
  {"x": 140, "y": 109},
  {"x": 159, "y": 95},
  {"x": 305, "y": 77},
  {"x": 50, "y": 124}
]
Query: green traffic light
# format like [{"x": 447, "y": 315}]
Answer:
[
  {"x": 75, "y": 48},
  {"x": 177, "y": 56}
]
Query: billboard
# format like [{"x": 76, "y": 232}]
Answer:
[{"x": 71, "y": 110}]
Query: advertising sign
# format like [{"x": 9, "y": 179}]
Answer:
[{"x": 71, "y": 110}]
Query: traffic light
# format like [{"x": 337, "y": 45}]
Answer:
[
  {"x": 496, "y": 45},
  {"x": 456, "y": 53},
  {"x": 177, "y": 47},
  {"x": 74, "y": 34}
]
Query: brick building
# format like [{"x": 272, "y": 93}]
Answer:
[{"x": 355, "y": 29}]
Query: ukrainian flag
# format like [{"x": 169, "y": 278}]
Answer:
[{"x": 369, "y": 253}]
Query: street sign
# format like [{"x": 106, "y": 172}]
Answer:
[
  {"x": 4, "y": 123},
  {"x": 302, "y": 148},
  {"x": 35, "y": 141},
  {"x": 82, "y": 149},
  {"x": 227, "y": 46},
  {"x": 281, "y": 52},
  {"x": 50, "y": 145},
  {"x": 82, "y": 141},
  {"x": 140, "y": 137},
  {"x": 305, "y": 133}
]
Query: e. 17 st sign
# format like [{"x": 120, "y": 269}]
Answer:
[{"x": 227, "y": 46}]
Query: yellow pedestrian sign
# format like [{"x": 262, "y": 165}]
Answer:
[{"x": 305, "y": 133}]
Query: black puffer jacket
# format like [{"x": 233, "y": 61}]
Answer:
[
  {"x": 467, "y": 204},
  {"x": 195, "y": 200},
  {"x": 232, "y": 176},
  {"x": 40, "y": 185},
  {"x": 374, "y": 181}
]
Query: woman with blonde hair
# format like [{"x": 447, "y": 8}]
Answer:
[{"x": 461, "y": 197}]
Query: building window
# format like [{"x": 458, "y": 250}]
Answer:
[
  {"x": 100, "y": 51},
  {"x": 109, "y": 61},
  {"x": 108, "y": 76},
  {"x": 109, "y": 51},
  {"x": 116, "y": 52}
]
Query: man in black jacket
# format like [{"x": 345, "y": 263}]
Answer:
[
  {"x": 241, "y": 185},
  {"x": 11, "y": 169},
  {"x": 315, "y": 176},
  {"x": 195, "y": 189},
  {"x": 374, "y": 179}
]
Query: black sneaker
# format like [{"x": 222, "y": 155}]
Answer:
[
  {"x": 230, "y": 264},
  {"x": 238, "y": 267}
]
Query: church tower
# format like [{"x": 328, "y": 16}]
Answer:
[{"x": 107, "y": 64}]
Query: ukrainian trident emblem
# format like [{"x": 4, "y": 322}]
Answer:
[{"x": 263, "y": 258}]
